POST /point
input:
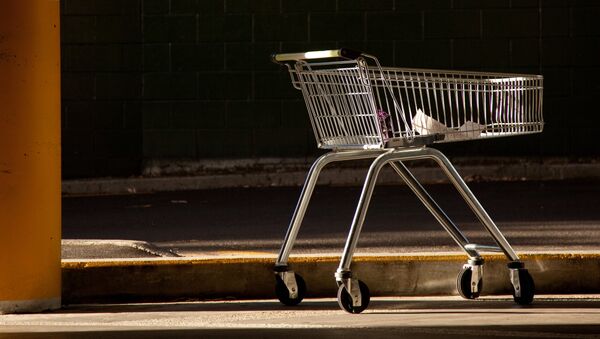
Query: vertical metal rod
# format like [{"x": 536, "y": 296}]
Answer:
[
  {"x": 473, "y": 203},
  {"x": 361, "y": 210},
  {"x": 305, "y": 195},
  {"x": 433, "y": 207}
]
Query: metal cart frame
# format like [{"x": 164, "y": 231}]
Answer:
[{"x": 350, "y": 91}]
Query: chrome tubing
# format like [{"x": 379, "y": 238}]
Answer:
[
  {"x": 361, "y": 211},
  {"x": 434, "y": 208},
  {"x": 307, "y": 190},
  {"x": 455, "y": 178},
  {"x": 472, "y": 201}
]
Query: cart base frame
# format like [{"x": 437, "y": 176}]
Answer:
[{"x": 396, "y": 158}]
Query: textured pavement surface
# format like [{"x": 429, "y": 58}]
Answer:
[
  {"x": 425, "y": 317},
  {"x": 534, "y": 216}
]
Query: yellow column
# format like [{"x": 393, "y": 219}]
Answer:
[{"x": 29, "y": 155}]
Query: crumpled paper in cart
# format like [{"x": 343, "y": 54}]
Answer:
[{"x": 424, "y": 124}]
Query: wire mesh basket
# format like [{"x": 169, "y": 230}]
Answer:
[{"x": 358, "y": 104}]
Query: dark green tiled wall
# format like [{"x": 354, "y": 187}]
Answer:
[{"x": 193, "y": 79}]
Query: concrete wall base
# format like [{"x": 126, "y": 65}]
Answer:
[
  {"x": 292, "y": 172},
  {"x": 29, "y": 306},
  {"x": 253, "y": 278}
]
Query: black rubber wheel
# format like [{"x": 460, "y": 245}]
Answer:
[
  {"x": 345, "y": 300},
  {"x": 463, "y": 284},
  {"x": 284, "y": 295},
  {"x": 527, "y": 288}
]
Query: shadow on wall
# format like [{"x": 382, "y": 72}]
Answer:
[{"x": 176, "y": 79}]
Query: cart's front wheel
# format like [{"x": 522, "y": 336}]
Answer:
[
  {"x": 283, "y": 294},
  {"x": 463, "y": 284},
  {"x": 527, "y": 287},
  {"x": 345, "y": 299}
]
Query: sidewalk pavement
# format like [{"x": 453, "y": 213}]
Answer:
[
  {"x": 407, "y": 317},
  {"x": 216, "y": 244},
  {"x": 173, "y": 175}
]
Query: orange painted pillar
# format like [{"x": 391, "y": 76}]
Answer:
[{"x": 30, "y": 181}]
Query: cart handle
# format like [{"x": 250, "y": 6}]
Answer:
[{"x": 344, "y": 53}]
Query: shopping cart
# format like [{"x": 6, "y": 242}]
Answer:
[{"x": 359, "y": 110}]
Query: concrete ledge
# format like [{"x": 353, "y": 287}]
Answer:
[
  {"x": 174, "y": 176},
  {"x": 29, "y": 306},
  {"x": 246, "y": 278},
  {"x": 113, "y": 248}
]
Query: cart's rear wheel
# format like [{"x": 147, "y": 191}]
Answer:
[
  {"x": 345, "y": 300},
  {"x": 527, "y": 288},
  {"x": 463, "y": 284},
  {"x": 283, "y": 294}
]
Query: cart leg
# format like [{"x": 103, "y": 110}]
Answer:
[
  {"x": 348, "y": 285},
  {"x": 298, "y": 216},
  {"x": 434, "y": 208},
  {"x": 306, "y": 194},
  {"x": 523, "y": 285},
  {"x": 473, "y": 203},
  {"x": 470, "y": 279},
  {"x": 290, "y": 287}
]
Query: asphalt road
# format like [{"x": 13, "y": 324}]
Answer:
[
  {"x": 425, "y": 317},
  {"x": 555, "y": 215}
]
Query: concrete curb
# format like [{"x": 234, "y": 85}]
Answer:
[
  {"x": 89, "y": 245},
  {"x": 285, "y": 172},
  {"x": 173, "y": 279}
]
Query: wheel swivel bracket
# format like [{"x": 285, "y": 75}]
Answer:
[
  {"x": 289, "y": 280},
  {"x": 514, "y": 268},
  {"x": 351, "y": 285},
  {"x": 514, "y": 280},
  {"x": 476, "y": 275}
]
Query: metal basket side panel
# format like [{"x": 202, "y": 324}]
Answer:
[
  {"x": 340, "y": 104},
  {"x": 457, "y": 106}
]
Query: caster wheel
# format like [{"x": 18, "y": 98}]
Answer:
[
  {"x": 527, "y": 288},
  {"x": 345, "y": 300},
  {"x": 283, "y": 294},
  {"x": 463, "y": 284}
]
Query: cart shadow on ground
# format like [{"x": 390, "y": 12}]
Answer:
[
  {"x": 445, "y": 332},
  {"x": 377, "y": 305},
  {"x": 410, "y": 317},
  {"x": 548, "y": 215}
]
